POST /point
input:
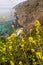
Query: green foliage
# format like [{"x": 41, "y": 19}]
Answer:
[{"x": 16, "y": 50}]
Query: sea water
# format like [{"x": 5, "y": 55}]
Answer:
[{"x": 6, "y": 22}]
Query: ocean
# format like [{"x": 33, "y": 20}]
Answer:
[{"x": 7, "y": 17}]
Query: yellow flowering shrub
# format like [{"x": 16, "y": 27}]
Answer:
[{"x": 23, "y": 49}]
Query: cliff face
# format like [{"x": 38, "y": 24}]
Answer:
[{"x": 29, "y": 11}]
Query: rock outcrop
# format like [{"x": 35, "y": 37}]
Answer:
[{"x": 29, "y": 11}]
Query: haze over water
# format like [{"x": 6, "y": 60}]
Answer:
[
  {"x": 6, "y": 8},
  {"x": 7, "y": 15}
]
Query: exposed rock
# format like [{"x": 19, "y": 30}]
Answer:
[{"x": 29, "y": 11}]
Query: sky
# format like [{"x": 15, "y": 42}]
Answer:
[{"x": 9, "y": 3}]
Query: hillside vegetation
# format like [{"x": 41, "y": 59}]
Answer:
[{"x": 23, "y": 49}]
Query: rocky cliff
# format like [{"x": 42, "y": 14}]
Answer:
[{"x": 29, "y": 11}]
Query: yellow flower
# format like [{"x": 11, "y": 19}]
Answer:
[
  {"x": 22, "y": 45},
  {"x": 3, "y": 17},
  {"x": 39, "y": 36},
  {"x": 22, "y": 28},
  {"x": 22, "y": 40},
  {"x": 21, "y": 37},
  {"x": 37, "y": 32},
  {"x": 13, "y": 35},
  {"x": 11, "y": 54},
  {"x": 0, "y": 50},
  {"x": 32, "y": 50},
  {"x": 34, "y": 63},
  {"x": 39, "y": 54},
  {"x": 20, "y": 62},
  {"x": 30, "y": 39},
  {"x": 37, "y": 23},
  {"x": 33, "y": 59},
  {"x": 11, "y": 42},
  {"x": 28, "y": 48},
  {"x": 10, "y": 48},
  {"x": 16, "y": 30},
  {"x": 11, "y": 62},
  {"x": 3, "y": 49},
  {"x": 42, "y": 58},
  {"x": 34, "y": 41},
  {"x": 30, "y": 30},
  {"x": 37, "y": 29},
  {"x": 3, "y": 58}
]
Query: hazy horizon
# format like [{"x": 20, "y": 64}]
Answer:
[
  {"x": 9, "y": 3},
  {"x": 6, "y": 8}
]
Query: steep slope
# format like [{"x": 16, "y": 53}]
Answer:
[{"x": 29, "y": 11}]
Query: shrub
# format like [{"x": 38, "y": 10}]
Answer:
[{"x": 16, "y": 50}]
